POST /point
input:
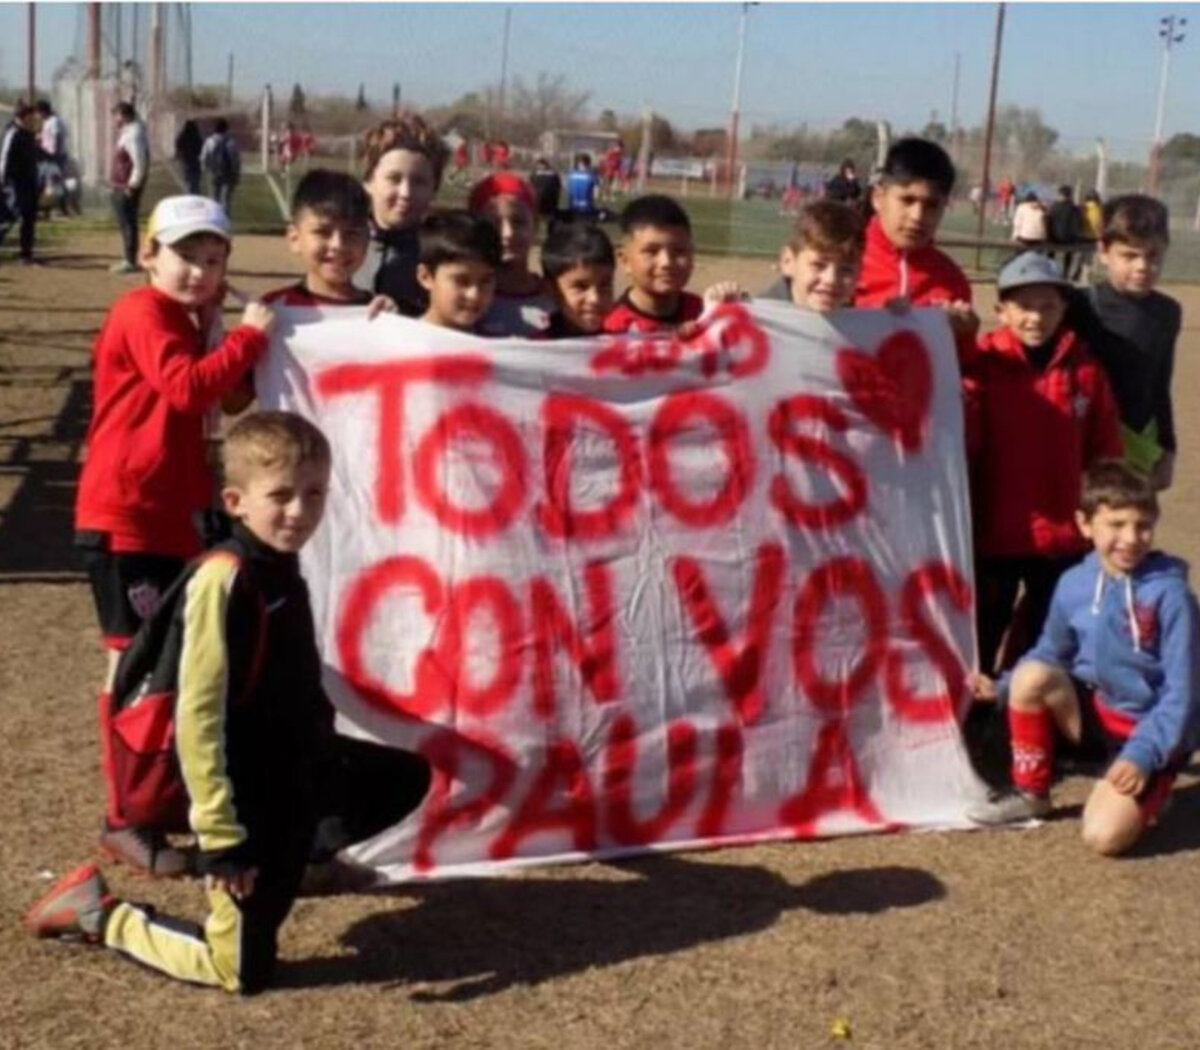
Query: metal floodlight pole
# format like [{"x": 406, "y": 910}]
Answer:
[
  {"x": 503, "y": 66},
  {"x": 94, "y": 34},
  {"x": 985, "y": 178},
  {"x": 736, "y": 109},
  {"x": 1170, "y": 30},
  {"x": 31, "y": 67}
]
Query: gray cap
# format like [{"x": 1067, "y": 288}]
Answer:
[{"x": 1030, "y": 268}]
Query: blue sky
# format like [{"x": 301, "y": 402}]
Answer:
[{"x": 1093, "y": 69}]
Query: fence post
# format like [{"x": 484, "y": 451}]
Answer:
[{"x": 266, "y": 130}]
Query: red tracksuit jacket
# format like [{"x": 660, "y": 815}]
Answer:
[
  {"x": 928, "y": 276},
  {"x": 146, "y": 473},
  {"x": 1030, "y": 435}
]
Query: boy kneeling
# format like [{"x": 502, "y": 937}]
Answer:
[
  {"x": 253, "y": 749},
  {"x": 1118, "y": 662}
]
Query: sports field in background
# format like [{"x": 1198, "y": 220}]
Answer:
[{"x": 752, "y": 228}]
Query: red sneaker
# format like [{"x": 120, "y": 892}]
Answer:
[{"x": 76, "y": 907}]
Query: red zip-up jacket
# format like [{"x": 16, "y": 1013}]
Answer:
[
  {"x": 927, "y": 276},
  {"x": 1030, "y": 435},
  {"x": 145, "y": 473}
]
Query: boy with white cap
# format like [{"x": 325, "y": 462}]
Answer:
[
  {"x": 146, "y": 476},
  {"x": 1039, "y": 411}
]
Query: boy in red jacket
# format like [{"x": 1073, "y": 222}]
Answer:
[
  {"x": 900, "y": 263},
  {"x": 145, "y": 476},
  {"x": 1039, "y": 411}
]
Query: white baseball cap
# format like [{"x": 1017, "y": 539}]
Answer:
[{"x": 175, "y": 218}]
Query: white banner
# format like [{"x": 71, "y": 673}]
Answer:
[{"x": 643, "y": 593}]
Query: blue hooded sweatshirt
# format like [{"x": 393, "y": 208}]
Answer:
[{"x": 1136, "y": 639}]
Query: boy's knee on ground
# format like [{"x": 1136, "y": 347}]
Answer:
[{"x": 1112, "y": 822}]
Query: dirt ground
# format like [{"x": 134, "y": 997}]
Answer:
[{"x": 967, "y": 940}]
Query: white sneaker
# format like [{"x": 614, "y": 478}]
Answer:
[
  {"x": 124, "y": 267},
  {"x": 1009, "y": 807}
]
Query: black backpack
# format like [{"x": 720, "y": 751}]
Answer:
[
  {"x": 221, "y": 164},
  {"x": 146, "y": 775}
]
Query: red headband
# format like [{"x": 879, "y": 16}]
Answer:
[{"x": 501, "y": 184}]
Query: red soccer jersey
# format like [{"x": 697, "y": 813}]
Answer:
[
  {"x": 299, "y": 295},
  {"x": 625, "y": 317},
  {"x": 1030, "y": 435},
  {"x": 146, "y": 471}
]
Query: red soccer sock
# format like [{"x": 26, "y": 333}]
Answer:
[
  {"x": 112, "y": 815},
  {"x": 1032, "y": 749}
]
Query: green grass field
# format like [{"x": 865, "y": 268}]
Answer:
[{"x": 721, "y": 226}]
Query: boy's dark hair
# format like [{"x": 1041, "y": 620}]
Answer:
[
  {"x": 458, "y": 236},
  {"x": 269, "y": 440},
  {"x": 221, "y": 126},
  {"x": 654, "y": 209},
  {"x": 912, "y": 159},
  {"x": 1113, "y": 483},
  {"x": 569, "y": 244},
  {"x": 332, "y": 195},
  {"x": 1135, "y": 219},
  {"x": 43, "y": 107},
  {"x": 829, "y": 226},
  {"x": 125, "y": 110}
]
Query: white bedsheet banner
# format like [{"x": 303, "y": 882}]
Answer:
[{"x": 644, "y": 593}]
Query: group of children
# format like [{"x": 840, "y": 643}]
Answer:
[{"x": 1046, "y": 396}]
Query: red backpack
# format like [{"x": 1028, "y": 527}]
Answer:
[{"x": 146, "y": 775}]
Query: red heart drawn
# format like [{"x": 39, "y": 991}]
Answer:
[{"x": 892, "y": 389}]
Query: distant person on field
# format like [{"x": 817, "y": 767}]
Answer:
[
  {"x": 522, "y": 304},
  {"x": 127, "y": 173},
  {"x": 821, "y": 261},
  {"x": 403, "y": 162},
  {"x": 901, "y": 266},
  {"x": 844, "y": 186},
  {"x": 258, "y": 752},
  {"x": 188, "y": 145},
  {"x": 462, "y": 162},
  {"x": 19, "y": 176},
  {"x": 1030, "y": 224},
  {"x": 581, "y": 188},
  {"x": 547, "y": 188},
  {"x": 1090, "y": 228},
  {"x": 145, "y": 478},
  {"x": 460, "y": 258},
  {"x": 53, "y": 169},
  {"x": 1005, "y": 192},
  {"x": 1133, "y": 329},
  {"x": 1117, "y": 669},
  {"x": 610, "y": 170},
  {"x": 1065, "y": 226},
  {"x": 1039, "y": 410},
  {"x": 579, "y": 262},
  {"x": 222, "y": 160}
]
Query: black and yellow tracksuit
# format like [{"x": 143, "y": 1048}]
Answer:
[{"x": 254, "y": 734}]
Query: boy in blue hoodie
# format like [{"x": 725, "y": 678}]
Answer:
[{"x": 1118, "y": 662}]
